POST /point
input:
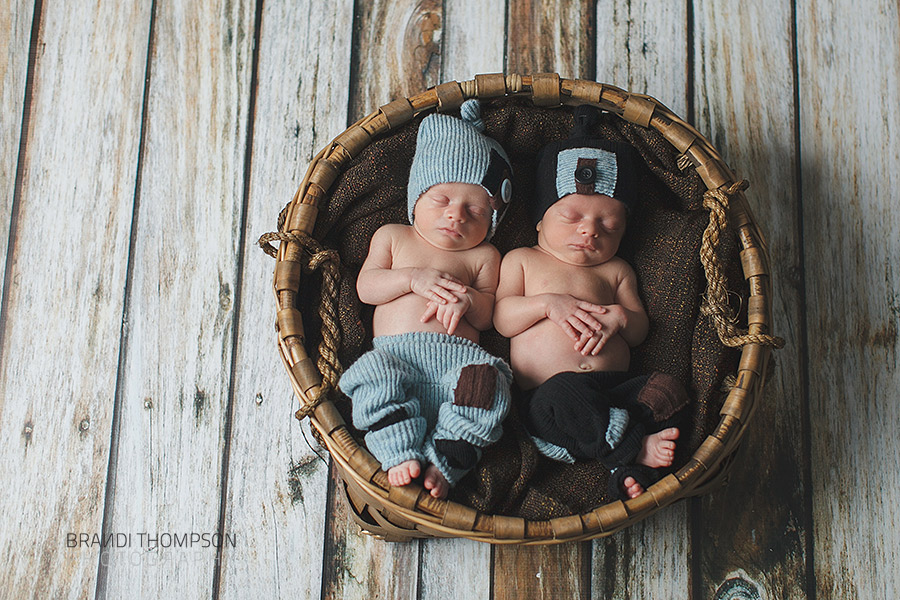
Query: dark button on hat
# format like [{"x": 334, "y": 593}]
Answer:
[{"x": 585, "y": 175}]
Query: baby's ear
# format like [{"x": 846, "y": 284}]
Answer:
[{"x": 538, "y": 226}]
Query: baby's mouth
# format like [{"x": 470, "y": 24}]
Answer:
[{"x": 452, "y": 232}]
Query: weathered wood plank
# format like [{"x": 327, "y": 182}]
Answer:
[
  {"x": 644, "y": 46},
  {"x": 277, "y": 487},
  {"x": 454, "y": 568},
  {"x": 399, "y": 53},
  {"x": 179, "y": 337},
  {"x": 558, "y": 571},
  {"x": 551, "y": 36},
  {"x": 849, "y": 80},
  {"x": 60, "y": 338},
  {"x": 473, "y": 39},
  {"x": 648, "y": 560},
  {"x": 15, "y": 39},
  {"x": 755, "y": 528},
  {"x": 547, "y": 36},
  {"x": 473, "y": 43},
  {"x": 359, "y": 566}
]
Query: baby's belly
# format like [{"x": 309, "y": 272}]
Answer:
[
  {"x": 544, "y": 350},
  {"x": 403, "y": 315}
]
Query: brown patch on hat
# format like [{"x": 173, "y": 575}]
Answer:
[{"x": 585, "y": 175}]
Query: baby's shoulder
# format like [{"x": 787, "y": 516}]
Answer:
[
  {"x": 487, "y": 250},
  {"x": 483, "y": 255},
  {"x": 393, "y": 231},
  {"x": 619, "y": 266},
  {"x": 519, "y": 255}
]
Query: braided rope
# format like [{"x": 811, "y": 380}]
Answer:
[
  {"x": 315, "y": 257},
  {"x": 715, "y": 302}
]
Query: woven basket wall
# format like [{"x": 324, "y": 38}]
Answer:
[{"x": 407, "y": 512}]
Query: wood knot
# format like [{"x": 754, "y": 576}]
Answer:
[{"x": 738, "y": 588}]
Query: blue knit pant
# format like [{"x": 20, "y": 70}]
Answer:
[{"x": 430, "y": 397}]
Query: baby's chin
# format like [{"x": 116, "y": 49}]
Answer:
[
  {"x": 451, "y": 243},
  {"x": 576, "y": 257}
]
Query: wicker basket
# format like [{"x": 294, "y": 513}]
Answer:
[{"x": 406, "y": 512}]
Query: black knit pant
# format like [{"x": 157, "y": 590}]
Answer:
[{"x": 571, "y": 410}]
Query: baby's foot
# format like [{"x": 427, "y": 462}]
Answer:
[
  {"x": 436, "y": 482},
  {"x": 658, "y": 449},
  {"x": 633, "y": 488},
  {"x": 404, "y": 473}
]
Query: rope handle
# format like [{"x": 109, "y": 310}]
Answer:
[
  {"x": 715, "y": 302},
  {"x": 313, "y": 257}
]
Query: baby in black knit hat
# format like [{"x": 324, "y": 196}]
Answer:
[{"x": 571, "y": 309}]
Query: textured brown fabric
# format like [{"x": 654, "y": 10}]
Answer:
[
  {"x": 662, "y": 243},
  {"x": 476, "y": 387}
]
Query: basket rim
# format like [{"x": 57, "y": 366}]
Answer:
[{"x": 421, "y": 515}]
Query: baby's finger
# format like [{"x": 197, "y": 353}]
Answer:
[
  {"x": 441, "y": 295},
  {"x": 589, "y": 320},
  {"x": 454, "y": 321},
  {"x": 591, "y": 307},
  {"x": 452, "y": 284},
  {"x": 585, "y": 345},
  {"x": 570, "y": 331},
  {"x": 447, "y": 319},
  {"x": 430, "y": 311},
  {"x": 583, "y": 340},
  {"x": 600, "y": 343},
  {"x": 580, "y": 325}
]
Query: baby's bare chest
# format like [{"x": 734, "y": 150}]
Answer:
[
  {"x": 592, "y": 284},
  {"x": 462, "y": 264}
]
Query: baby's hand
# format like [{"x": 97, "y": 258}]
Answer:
[
  {"x": 612, "y": 320},
  {"x": 450, "y": 314},
  {"x": 577, "y": 318},
  {"x": 436, "y": 286}
]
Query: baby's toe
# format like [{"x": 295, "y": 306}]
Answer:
[{"x": 632, "y": 488}]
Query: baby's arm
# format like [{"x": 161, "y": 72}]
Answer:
[
  {"x": 515, "y": 312},
  {"x": 483, "y": 291},
  {"x": 378, "y": 283}
]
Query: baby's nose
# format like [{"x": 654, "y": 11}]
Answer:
[
  {"x": 455, "y": 213},
  {"x": 588, "y": 228}
]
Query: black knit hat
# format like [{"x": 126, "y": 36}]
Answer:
[{"x": 585, "y": 164}]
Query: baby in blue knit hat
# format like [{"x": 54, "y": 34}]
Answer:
[{"x": 427, "y": 395}]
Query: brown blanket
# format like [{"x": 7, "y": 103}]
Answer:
[{"x": 662, "y": 243}]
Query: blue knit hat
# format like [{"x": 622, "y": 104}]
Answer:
[{"x": 452, "y": 150}]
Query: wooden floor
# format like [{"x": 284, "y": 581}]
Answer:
[{"x": 145, "y": 145}]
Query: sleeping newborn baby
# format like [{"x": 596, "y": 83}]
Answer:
[
  {"x": 571, "y": 309},
  {"x": 428, "y": 396}
]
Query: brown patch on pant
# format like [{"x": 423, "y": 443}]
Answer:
[
  {"x": 663, "y": 395},
  {"x": 476, "y": 387}
]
